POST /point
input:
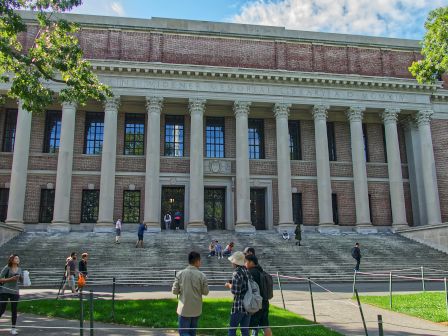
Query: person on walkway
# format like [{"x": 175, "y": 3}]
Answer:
[
  {"x": 261, "y": 317},
  {"x": 117, "y": 231},
  {"x": 177, "y": 218},
  {"x": 238, "y": 287},
  {"x": 228, "y": 250},
  {"x": 167, "y": 219},
  {"x": 141, "y": 230},
  {"x": 82, "y": 267},
  {"x": 211, "y": 249},
  {"x": 71, "y": 271},
  {"x": 356, "y": 254},
  {"x": 10, "y": 276},
  {"x": 190, "y": 284},
  {"x": 218, "y": 249},
  {"x": 298, "y": 233}
]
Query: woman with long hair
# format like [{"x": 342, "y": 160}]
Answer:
[{"x": 10, "y": 276}]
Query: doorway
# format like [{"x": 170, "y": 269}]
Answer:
[
  {"x": 214, "y": 208},
  {"x": 258, "y": 208},
  {"x": 173, "y": 202}
]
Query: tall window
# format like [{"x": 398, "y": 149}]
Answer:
[
  {"x": 174, "y": 135},
  {"x": 9, "y": 135},
  {"x": 89, "y": 206},
  {"x": 334, "y": 204},
  {"x": 4, "y": 195},
  {"x": 52, "y": 131},
  {"x": 297, "y": 213},
  {"x": 134, "y": 134},
  {"x": 93, "y": 136},
  {"x": 214, "y": 138},
  {"x": 366, "y": 142},
  {"x": 295, "y": 147},
  {"x": 131, "y": 206},
  {"x": 256, "y": 139},
  {"x": 384, "y": 143},
  {"x": 46, "y": 205},
  {"x": 331, "y": 141}
]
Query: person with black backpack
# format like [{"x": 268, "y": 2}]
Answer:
[
  {"x": 260, "y": 320},
  {"x": 356, "y": 254}
]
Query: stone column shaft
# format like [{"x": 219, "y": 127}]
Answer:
[
  {"x": 281, "y": 112},
  {"x": 196, "y": 220},
  {"x": 108, "y": 160},
  {"x": 355, "y": 115},
  {"x": 152, "y": 184},
  {"x": 429, "y": 167},
  {"x": 243, "y": 221},
  {"x": 394, "y": 167},
  {"x": 61, "y": 216},
  {"x": 322, "y": 165},
  {"x": 19, "y": 171}
]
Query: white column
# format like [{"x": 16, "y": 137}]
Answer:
[
  {"x": 320, "y": 113},
  {"x": 152, "y": 184},
  {"x": 355, "y": 115},
  {"x": 17, "y": 187},
  {"x": 61, "y": 219},
  {"x": 390, "y": 116},
  {"x": 196, "y": 216},
  {"x": 281, "y": 112},
  {"x": 429, "y": 168},
  {"x": 108, "y": 159},
  {"x": 243, "y": 221}
]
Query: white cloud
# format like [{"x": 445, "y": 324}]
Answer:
[
  {"x": 101, "y": 7},
  {"x": 393, "y": 18},
  {"x": 117, "y": 8}
]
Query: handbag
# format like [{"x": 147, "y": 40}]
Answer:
[
  {"x": 81, "y": 280},
  {"x": 26, "y": 279}
]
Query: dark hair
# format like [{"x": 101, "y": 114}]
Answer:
[
  {"x": 249, "y": 250},
  {"x": 356, "y": 244},
  {"x": 73, "y": 254},
  {"x": 11, "y": 259},
  {"x": 251, "y": 257},
  {"x": 193, "y": 257}
]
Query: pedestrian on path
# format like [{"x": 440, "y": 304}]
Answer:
[
  {"x": 82, "y": 268},
  {"x": 10, "y": 276},
  {"x": 117, "y": 231},
  {"x": 190, "y": 284},
  {"x": 141, "y": 230},
  {"x": 70, "y": 272},
  {"x": 167, "y": 219},
  {"x": 238, "y": 287},
  {"x": 298, "y": 234},
  {"x": 356, "y": 254}
]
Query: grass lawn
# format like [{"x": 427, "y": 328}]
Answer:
[
  {"x": 162, "y": 313},
  {"x": 429, "y": 305}
]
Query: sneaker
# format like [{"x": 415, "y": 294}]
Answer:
[{"x": 14, "y": 331}]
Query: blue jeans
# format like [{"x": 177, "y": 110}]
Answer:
[
  {"x": 188, "y": 322},
  {"x": 242, "y": 320}
]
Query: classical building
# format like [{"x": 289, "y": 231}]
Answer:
[{"x": 236, "y": 127}]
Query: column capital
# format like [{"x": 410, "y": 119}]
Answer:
[
  {"x": 154, "y": 104},
  {"x": 355, "y": 113},
  {"x": 241, "y": 108},
  {"x": 69, "y": 105},
  {"x": 424, "y": 117},
  {"x": 390, "y": 115},
  {"x": 196, "y": 105},
  {"x": 320, "y": 112},
  {"x": 112, "y": 103},
  {"x": 281, "y": 110}
]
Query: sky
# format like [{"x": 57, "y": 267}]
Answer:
[{"x": 387, "y": 18}]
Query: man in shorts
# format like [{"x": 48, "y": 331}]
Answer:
[{"x": 141, "y": 230}]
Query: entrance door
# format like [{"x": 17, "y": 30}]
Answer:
[
  {"x": 214, "y": 208},
  {"x": 257, "y": 208},
  {"x": 173, "y": 203}
]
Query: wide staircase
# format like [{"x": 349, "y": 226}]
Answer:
[{"x": 321, "y": 257}]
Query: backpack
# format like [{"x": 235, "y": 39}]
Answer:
[
  {"x": 266, "y": 286},
  {"x": 252, "y": 300}
]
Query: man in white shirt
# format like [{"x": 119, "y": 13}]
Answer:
[
  {"x": 117, "y": 231},
  {"x": 167, "y": 219}
]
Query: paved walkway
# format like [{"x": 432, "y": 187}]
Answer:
[{"x": 336, "y": 311}]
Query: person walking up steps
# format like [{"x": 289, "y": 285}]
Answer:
[
  {"x": 190, "y": 284},
  {"x": 10, "y": 276},
  {"x": 117, "y": 231},
  {"x": 356, "y": 254},
  {"x": 218, "y": 249},
  {"x": 141, "y": 230}
]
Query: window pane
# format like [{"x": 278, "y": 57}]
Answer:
[
  {"x": 294, "y": 140},
  {"x": 331, "y": 141},
  {"x": 174, "y": 135},
  {"x": 89, "y": 206},
  {"x": 52, "y": 131},
  {"x": 366, "y": 142},
  {"x": 93, "y": 141},
  {"x": 131, "y": 206},
  {"x": 9, "y": 134},
  {"x": 134, "y": 134},
  {"x": 4, "y": 195},
  {"x": 256, "y": 138},
  {"x": 46, "y": 205},
  {"x": 214, "y": 132}
]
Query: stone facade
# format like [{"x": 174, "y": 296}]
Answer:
[{"x": 197, "y": 70}]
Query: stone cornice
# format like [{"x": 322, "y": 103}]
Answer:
[
  {"x": 241, "y": 108},
  {"x": 196, "y": 105},
  {"x": 281, "y": 110},
  {"x": 154, "y": 104}
]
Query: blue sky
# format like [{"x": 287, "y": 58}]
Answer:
[{"x": 390, "y": 18}]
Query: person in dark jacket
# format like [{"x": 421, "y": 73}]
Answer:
[
  {"x": 356, "y": 254},
  {"x": 261, "y": 318},
  {"x": 141, "y": 230},
  {"x": 298, "y": 234},
  {"x": 82, "y": 267}
]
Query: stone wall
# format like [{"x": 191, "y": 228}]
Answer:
[{"x": 435, "y": 236}]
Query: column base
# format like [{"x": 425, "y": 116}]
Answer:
[
  {"x": 153, "y": 227},
  {"x": 196, "y": 227},
  {"x": 244, "y": 228},
  {"x": 288, "y": 227},
  {"x": 329, "y": 228},
  {"x": 366, "y": 228},
  {"x": 397, "y": 227},
  {"x": 56, "y": 227},
  {"x": 104, "y": 227},
  {"x": 15, "y": 224}
]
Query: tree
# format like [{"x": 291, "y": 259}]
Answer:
[
  {"x": 434, "y": 48},
  {"x": 55, "y": 57}
]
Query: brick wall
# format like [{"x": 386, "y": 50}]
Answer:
[
  {"x": 79, "y": 183},
  {"x": 32, "y": 195},
  {"x": 346, "y": 201},
  {"x": 440, "y": 143},
  {"x": 121, "y": 184},
  {"x": 309, "y": 200}
]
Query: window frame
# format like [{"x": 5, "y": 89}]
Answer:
[
  {"x": 138, "y": 208},
  {"x": 9, "y": 130},
  {"x": 94, "y": 117},
  {"x": 84, "y": 195},
  {"x": 215, "y": 148},
  {"x": 137, "y": 120},
  {"x": 178, "y": 147},
  {"x": 256, "y": 152},
  {"x": 295, "y": 150},
  {"x": 366, "y": 142},
  {"x": 4, "y": 200},
  {"x": 46, "y": 206},
  {"x": 331, "y": 138},
  {"x": 49, "y": 140}
]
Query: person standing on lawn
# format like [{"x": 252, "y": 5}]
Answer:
[
  {"x": 190, "y": 284},
  {"x": 356, "y": 254}
]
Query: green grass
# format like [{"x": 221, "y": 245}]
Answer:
[
  {"x": 429, "y": 305},
  {"x": 162, "y": 313}
]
